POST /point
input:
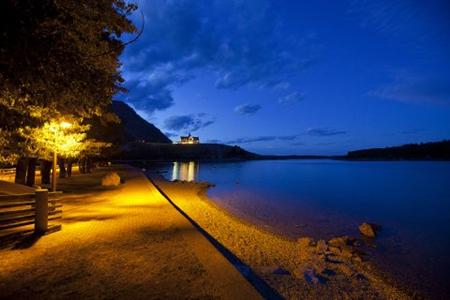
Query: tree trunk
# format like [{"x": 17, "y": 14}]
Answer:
[
  {"x": 46, "y": 167},
  {"x": 62, "y": 168},
  {"x": 21, "y": 170},
  {"x": 88, "y": 165},
  {"x": 69, "y": 168},
  {"x": 81, "y": 165},
  {"x": 31, "y": 172}
]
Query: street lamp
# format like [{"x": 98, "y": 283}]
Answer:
[{"x": 62, "y": 125}]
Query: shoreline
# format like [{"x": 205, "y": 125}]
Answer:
[{"x": 301, "y": 268}]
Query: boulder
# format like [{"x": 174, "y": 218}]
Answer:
[
  {"x": 111, "y": 179},
  {"x": 311, "y": 276},
  {"x": 369, "y": 230},
  {"x": 305, "y": 242},
  {"x": 322, "y": 246},
  {"x": 340, "y": 241},
  {"x": 281, "y": 271}
]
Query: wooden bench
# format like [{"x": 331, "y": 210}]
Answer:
[{"x": 19, "y": 212}]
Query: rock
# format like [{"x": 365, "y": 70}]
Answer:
[
  {"x": 281, "y": 271},
  {"x": 359, "y": 277},
  {"x": 332, "y": 260},
  {"x": 328, "y": 272},
  {"x": 311, "y": 276},
  {"x": 334, "y": 250},
  {"x": 347, "y": 270},
  {"x": 111, "y": 179},
  {"x": 368, "y": 229},
  {"x": 321, "y": 246},
  {"x": 304, "y": 242},
  {"x": 347, "y": 251},
  {"x": 356, "y": 258},
  {"x": 340, "y": 241}
]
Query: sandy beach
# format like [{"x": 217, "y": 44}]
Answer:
[
  {"x": 297, "y": 269},
  {"x": 118, "y": 243}
]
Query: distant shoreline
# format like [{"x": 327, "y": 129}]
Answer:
[{"x": 435, "y": 151}]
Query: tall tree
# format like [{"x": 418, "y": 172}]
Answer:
[{"x": 57, "y": 57}]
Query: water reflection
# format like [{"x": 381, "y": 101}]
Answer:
[{"x": 186, "y": 171}]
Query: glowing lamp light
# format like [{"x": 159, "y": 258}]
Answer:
[{"x": 65, "y": 125}]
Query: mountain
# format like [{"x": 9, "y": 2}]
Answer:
[
  {"x": 423, "y": 151},
  {"x": 135, "y": 127}
]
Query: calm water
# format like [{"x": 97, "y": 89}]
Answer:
[{"x": 325, "y": 198}]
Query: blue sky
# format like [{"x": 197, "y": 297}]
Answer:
[{"x": 293, "y": 77}]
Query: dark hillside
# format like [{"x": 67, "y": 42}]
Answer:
[
  {"x": 135, "y": 127},
  {"x": 422, "y": 151}
]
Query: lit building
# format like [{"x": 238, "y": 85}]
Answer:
[{"x": 189, "y": 139}]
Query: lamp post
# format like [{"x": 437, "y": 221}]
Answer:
[
  {"x": 55, "y": 156},
  {"x": 63, "y": 125}
]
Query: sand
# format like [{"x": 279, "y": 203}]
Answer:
[
  {"x": 296, "y": 269},
  {"x": 118, "y": 243}
]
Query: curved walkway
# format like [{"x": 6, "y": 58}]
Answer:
[{"x": 123, "y": 243}]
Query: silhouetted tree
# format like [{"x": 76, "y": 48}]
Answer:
[{"x": 56, "y": 58}]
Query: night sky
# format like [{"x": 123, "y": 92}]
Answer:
[{"x": 293, "y": 77}]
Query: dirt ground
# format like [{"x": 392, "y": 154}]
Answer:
[
  {"x": 118, "y": 243},
  {"x": 297, "y": 269}
]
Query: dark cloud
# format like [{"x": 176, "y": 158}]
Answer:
[
  {"x": 416, "y": 89},
  {"x": 213, "y": 141},
  {"x": 170, "y": 134},
  {"x": 412, "y": 131},
  {"x": 251, "y": 140},
  {"x": 186, "y": 123},
  {"x": 324, "y": 131},
  {"x": 391, "y": 17},
  {"x": 288, "y": 137},
  {"x": 247, "y": 109},
  {"x": 291, "y": 98},
  {"x": 238, "y": 42},
  {"x": 298, "y": 144},
  {"x": 245, "y": 140}
]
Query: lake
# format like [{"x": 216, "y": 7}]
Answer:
[{"x": 327, "y": 198}]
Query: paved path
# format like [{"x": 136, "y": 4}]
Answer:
[{"x": 127, "y": 242}]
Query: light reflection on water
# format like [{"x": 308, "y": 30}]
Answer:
[
  {"x": 326, "y": 198},
  {"x": 186, "y": 171}
]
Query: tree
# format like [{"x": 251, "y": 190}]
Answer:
[
  {"x": 60, "y": 57},
  {"x": 57, "y": 137},
  {"x": 57, "y": 58}
]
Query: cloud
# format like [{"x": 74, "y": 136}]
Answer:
[
  {"x": 247, "y": 109},
  {"x": 282, "y": 85},
  {"x": 298, "y": 144},
  {"x": 186, "y": 123},
  {"x": 392, "y": 17},
  {"x": 288, "y": 137},
  {"x": 324, "y": 131},
  {"x": 170, "y": 134},
  {"x": 291, "y": 98},
  {"x": 412, "y": 131},
  {"x": 239, "y": 43},
  {"x": 213, "y": 141},
  {"x": 245, "y": 140},
  {"x": 415, "y": 89},
  {"x": 251, "y": 140}
]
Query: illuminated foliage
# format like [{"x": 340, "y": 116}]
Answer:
[
  {"x": 65, "y": 137},
  {"x": 57, "y": 58}
]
